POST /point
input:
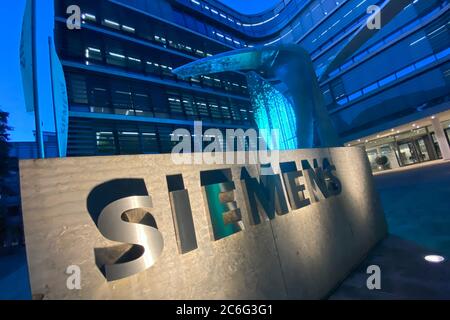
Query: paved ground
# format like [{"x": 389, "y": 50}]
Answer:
[
  {"x": 14, "y": 284},
  {"x": 416, "y": 201},
  {"x": 404, "y": 274}
]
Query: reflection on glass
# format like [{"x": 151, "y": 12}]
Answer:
[
  {"x": 383, "y": 157},
  {"x": 408, "y": 153},
  {"x": 424, "y": 156}
]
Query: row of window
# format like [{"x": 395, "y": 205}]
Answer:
[
  {"x": 267, "y": 23},
  {"x": 210, "y": 10},
  {"x": 352, "y": 26},
  {"x": 194, "y": 24},
  {"x": 308, "y": 19},
  {"x": 182, "y": 20},
  {"x": 157, "y": 38},
  {"x": 112, "y": 96},
  {"x": 386, "y": 40},
  {"x": 388, "y": 114},
  {"x": 344, "y": 99},
  {"x": 329, "y": 42},
  {"x": 208, "y": 107},
  {"x": 133, "y": 23},
  {"x": 90, "y": 137},
  {"x": 138, "y": 64},
  {"x": 436, "y": 32},
  {"x": 97, "y": 49}
]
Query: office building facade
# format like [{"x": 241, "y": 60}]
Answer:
[
  {"x": 123, "y": 96},
  {"x": 124, "y": 99}
]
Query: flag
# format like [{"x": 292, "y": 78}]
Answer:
[
  {"x": 60, "y": 101},
  {"x": 26, "y": 56}
]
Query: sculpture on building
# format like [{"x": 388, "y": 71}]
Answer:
[{"x": 284, "y": 86}]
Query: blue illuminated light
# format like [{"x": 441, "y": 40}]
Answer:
[{"x": 273, "y": 111}]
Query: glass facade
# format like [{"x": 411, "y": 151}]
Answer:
[
  {"x": 123, "y": 96},
  {"x": 119, "y": 68},
  {"x": 413, "y": 143}
]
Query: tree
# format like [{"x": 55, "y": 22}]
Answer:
[
  {"x": 4, "y": 145},
  {"x": 4, "y": 167}
]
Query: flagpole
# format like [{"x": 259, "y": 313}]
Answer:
[
  {"x": 39, "y": 135},
  {"x": 50, "y": 48}
]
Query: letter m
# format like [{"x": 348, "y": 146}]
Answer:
[{"x": 263, "y": 197}]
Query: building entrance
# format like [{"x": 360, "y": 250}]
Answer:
[{"x": 416, "y": 150}]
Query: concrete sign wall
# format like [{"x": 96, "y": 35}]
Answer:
[{"x": 139, "y": 227}]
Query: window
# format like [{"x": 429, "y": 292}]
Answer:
[
  {"x": 134, "y": 63},
  {"x": 116, "y": 58},
  {"x": 159, "y": 100},
  {"x": 370, "y": 88},
  {"x": 151, "y": 67},
  {"x": 174, "y": 102},
  {"x": 355, "y": 95},
  {"x": 105, "y": 143},
  {"x": 93, "y": 54},
  {"x": 387, "y": 80},
  {"x": 189, "y": 107},
  {"x": 202, "y": 108},
  {"x": 128, "y": 29},
  {"x": 425, "y": 62},
  {"x": 129, "y": 141},
  {"x": 121, "y": 99},
  {"x": 225, "y": 109},
  {"x": 149, "y": 141},
  {"x": 405, "y": 71},
  {"x": 337, "y": 88},
  {"x": 443, "y": 54},
  {"x": 327, "y": 96},
  {"x": 141, "y": 102},
  {"x": 99, "y": 100},
  {"x": 166, "y": 143},
  {"x": 213, "y": 106},
  {"x": 77, "y": 89},
  {"x": 342, "y": 101},
  {"x": 111, "y": 24}
]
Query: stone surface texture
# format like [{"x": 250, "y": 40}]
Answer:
[{"x": 301, "y": 255}]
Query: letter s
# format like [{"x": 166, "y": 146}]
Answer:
[{"x": 118, "y": 222}]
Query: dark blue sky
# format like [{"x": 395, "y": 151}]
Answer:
[
  {"x": 250, "y": 6},
  {"x": 11, "y": 93}
]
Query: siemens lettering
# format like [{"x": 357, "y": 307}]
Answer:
[{"x": 264, "y": 197}]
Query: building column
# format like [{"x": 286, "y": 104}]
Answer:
[{"x": 441, "y": 138}]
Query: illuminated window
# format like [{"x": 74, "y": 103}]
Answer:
[
  {"x": 90, "y": 17},
  {"x": 111, "y": 24},
  {"x": 128, "y": 29}
]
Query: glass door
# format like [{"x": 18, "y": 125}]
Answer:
[
  {"x": 408, "y": 153},
  {"x": 421, "y": 147},
  {"x": 416, "y": 150},
  {"x": 436, "y": 145}
]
